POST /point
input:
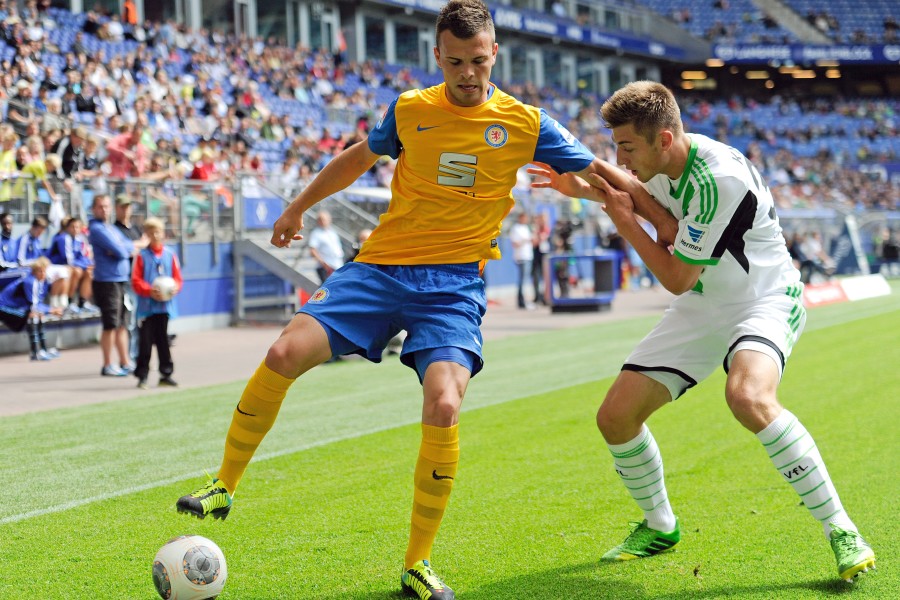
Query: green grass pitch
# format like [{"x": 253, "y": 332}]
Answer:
[{"x": 87, "y": 494}]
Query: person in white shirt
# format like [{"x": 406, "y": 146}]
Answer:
[
  {"x": 523, "y": 254},
  {"x": 325, "y": 246},
  {"x": 738, "y": 305}
]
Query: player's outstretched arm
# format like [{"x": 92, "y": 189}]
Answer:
[
  {"x": 337, "y": 175},
  {"x": 566, "y": 183},
  {"x": 578, "y": 185}
]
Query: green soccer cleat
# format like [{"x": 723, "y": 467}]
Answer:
[
  {"x": 212, "y": 499},
  {"x": 643, "y": 542},
  {"x": 852, "y": 553},
  {"x": 420, "y": 580}
]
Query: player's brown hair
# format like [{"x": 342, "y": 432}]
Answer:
[
  {"x": 647, "y": 106},
  {"x": 464, "y": 19}
]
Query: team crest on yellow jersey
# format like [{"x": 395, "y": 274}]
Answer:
[
  {"x": 319, "y": 296},
  {"x": 495, "y": 135}
]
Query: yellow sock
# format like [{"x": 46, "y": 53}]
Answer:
[
  {"x": 253, "y": 418},
  {"x": 435, "y": 470}
]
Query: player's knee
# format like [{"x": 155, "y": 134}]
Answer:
[
  {"x": 440, "y": 413},
  {"x": 280, "y": 357},
  {"x": 752, "y": 406},
  {"x": 612, "y": 419}
]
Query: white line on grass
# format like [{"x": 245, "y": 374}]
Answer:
[
  {"x": 490, "y": 400},
  {"x": 170, "y": 480}
]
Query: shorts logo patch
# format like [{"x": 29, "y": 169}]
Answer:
[
  {"x": 319, "y": 296},
  {"x": 495, "y": 135}
]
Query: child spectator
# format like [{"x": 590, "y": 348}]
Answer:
[
  {"x": 70, "y": 248},
  {"x": 154, "y": 312},
  {"x": 22, "y": 306}
]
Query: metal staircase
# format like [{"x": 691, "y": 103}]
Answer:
[
  {"x": 350, "y": 210},
  {"x": 790, "y": 20}
]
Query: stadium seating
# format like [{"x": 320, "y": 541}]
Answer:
[
  {"x": 851, "y": 16},
  {"x": 741, "y": 20}
]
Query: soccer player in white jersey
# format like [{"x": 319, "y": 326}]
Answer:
[{"x": 738, "y": 305}]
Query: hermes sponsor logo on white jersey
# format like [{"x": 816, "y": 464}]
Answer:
[{"x": 691, "y": 241}]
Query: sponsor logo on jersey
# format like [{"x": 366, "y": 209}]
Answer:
[
  {"x": 319, "y": 296},
  {"x": 420, "y": 128},
  {"x": 691, "y": 242},
  {"x": 495, "y": 135},
  {"x": 696, "y": 233},
  {"x": 565, "y": 133}
]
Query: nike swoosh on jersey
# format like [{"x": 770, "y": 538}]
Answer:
[{"x": 420, "y": 128}]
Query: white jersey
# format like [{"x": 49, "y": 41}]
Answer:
[{"x": 727, "y": 223}]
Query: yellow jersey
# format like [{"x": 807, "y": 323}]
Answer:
[{"x": 456, "y": 167}]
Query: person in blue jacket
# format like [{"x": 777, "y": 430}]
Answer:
[
  {"x": 112, "y": 271},
  {"x": 22, "y": 307}
]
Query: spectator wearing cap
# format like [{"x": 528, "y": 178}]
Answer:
[
  {"x": 21, "y": 110},
  {"x": 124, "y": 213}
]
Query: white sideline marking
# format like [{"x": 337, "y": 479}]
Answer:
[
  {"x": 261, "y": 457},
  {"x": 161, "y": 482}
]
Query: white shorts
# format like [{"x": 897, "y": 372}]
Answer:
[
  {"x": 57, "y": 272},
  {"x": 695, "y": 336}
]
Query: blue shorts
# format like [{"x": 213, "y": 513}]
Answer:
[{"x": 362, "y": 306}]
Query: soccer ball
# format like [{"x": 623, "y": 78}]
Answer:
[
  {"x": 166, "y": 286},
  {"x": 189, "y": 567}
]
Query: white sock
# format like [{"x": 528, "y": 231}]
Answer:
[
  {"x": 794, "y": 453},
  {"x": 639, "y": 465}
]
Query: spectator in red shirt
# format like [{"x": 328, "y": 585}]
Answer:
[
  {"x": 128, "y": 157},
  {"x": 205, "y": 169}
]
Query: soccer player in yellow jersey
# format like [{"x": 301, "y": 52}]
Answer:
[{"x": 458, "y": 147}]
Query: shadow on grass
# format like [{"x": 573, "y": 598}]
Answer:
[
  {"x": 798, "y": 589},
  {"x": 600, "y": 581}
]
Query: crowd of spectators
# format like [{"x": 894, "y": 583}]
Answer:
[
  {"x": 89, "y": 98},
  {"x": 163, "y": 102}
]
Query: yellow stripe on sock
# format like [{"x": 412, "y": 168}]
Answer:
[{"x": 434, "y": 475}]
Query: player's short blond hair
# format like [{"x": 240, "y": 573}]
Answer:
[
  {"x": 42, "y": 262},
  {"x": 154, "y": 224}
]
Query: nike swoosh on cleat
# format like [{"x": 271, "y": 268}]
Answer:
[
  {"x": 439, "y": 477},
  {"x": 420, "y": 128},
  {"x": 238, "y": 408}
]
